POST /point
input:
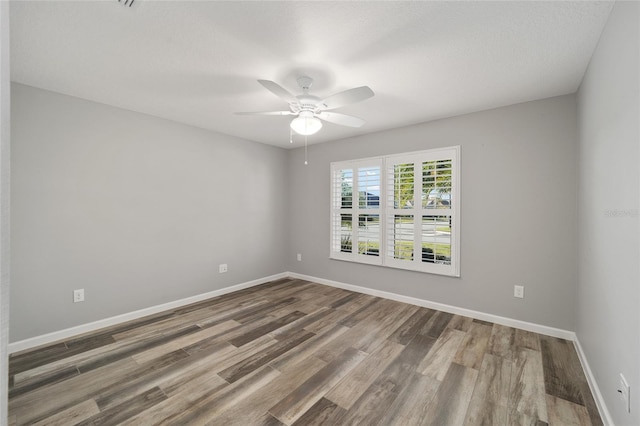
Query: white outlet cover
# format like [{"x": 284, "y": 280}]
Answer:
[
  {"x": 518, "y": 291},
  {"x": 625, "y": 390}
]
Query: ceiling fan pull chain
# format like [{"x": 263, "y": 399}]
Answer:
[
  {"x": 290, "y": 135},
  {"x": 305, "y": 150}
]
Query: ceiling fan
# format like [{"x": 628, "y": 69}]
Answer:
[{"x": 309, "y": 109}]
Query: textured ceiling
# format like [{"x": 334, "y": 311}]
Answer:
[{"x": 198, "y": 62}]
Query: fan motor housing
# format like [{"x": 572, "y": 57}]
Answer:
[{"x": 308, "y": 101}]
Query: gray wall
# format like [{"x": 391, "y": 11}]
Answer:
[
  {"x": 608, "y": 319},
  {"x": 4, "y": 206},
  {"x": 518, "y": 217},
  {"x": 137, "y": 210}
]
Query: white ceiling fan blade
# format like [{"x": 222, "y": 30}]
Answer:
[
  {"x": 341, "y": 119},
  {"x": 279, "y": 91},
  {"x": 347, "y": 97},
  {"x": 265, "y": 113}
]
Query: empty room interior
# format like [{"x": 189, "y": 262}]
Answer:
[{"x": 320, "y": 213}]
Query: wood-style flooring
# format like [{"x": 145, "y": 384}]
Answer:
[{"x": 298, "y": 353}]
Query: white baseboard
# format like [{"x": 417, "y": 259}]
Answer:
[
  {"x": 107, "y": 322},
  {"x": 593, "y": 385},
  {"x": 524, "y": 325}
]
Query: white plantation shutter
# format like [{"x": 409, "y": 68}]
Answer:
[
  {"x": 421, "y": 211},
  {"x": 355, "y": 211},
  {"x": 400, "y": 211}
]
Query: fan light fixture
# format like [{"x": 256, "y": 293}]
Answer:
[
  {"x": 306, "y": 124},
  {"x": 309, "y": 110}
]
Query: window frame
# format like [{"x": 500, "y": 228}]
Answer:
[{"x": 387, "y": 211}]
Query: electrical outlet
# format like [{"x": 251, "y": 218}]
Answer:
[
  {"x": 78, "y": 295},
  {"x": 299, "y": 257},
  {"x": 624, "y": 391},
  {"x": 518, "y": 291},
  {"x": 222, "y": 268}
]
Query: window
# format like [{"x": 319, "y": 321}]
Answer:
[{"x": 399, "y": 211}]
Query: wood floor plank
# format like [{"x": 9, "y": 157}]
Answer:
[
  {"x": 39, "y": 404},
  {"x": 354, "y": 336},
  {"x": 436, "y": 324},
  {"x": 590, "y": 404},
  {"x": 287, "y": 330},
  {"x": 443, "y": 352},
  {"x": 243, "y": 352},
  {"x": 129, "y": 408},
  {"x": 408, "y": 330},
  {"x": 490, "y": 399},
  {"x": 183, "y": 342},
  {"x": 356, "y": 303},
  {"x": 39, "y": 381},
  {"x": 474, "y": 345},
  {"x": 227, "y": 313},
  {"x": 265, "y": 420},
  {"x": 564, "y": 376},
  {"x": 303, "y": 305},
  {"x": 251, "y": 314},
  {"x": 328, "y": 322},
  {"x": 373, "y": 404},
  {"x": 72, "y": 415},
  {"x": 502, "y": 341},
  {"x": 354, "y": 384},
  {"x": 31, "y": 360},
  {"x": 459, "y": 322},
  {"x": 132, "y": 349},
  {"x": 560, "y": 374},
  {"x": 155, "y": 329},
  {"x": 296, "y": 352},
  {"x": 562, "y": 412},
  {"x": 527, "y": 389},
  {"x": 449, "y": 405},
  {"x": 361, "y": 314},
  {"x": 296, "y": 403},
  {"x": 410, "y": 407},
  {"x": 527, "y": 339},
  {"x": 208, "y": 406},
  {"x": 171, "y": 406},
  {"x": 382, "y": 328},
  {"x": 251, "y": 411},
  {"x": 309, "y": 347},
  {"x": 243, "y": 339},
  {"x": 346, "y": 299},
  {"x": 59, "y": 364},
  {"x": 96, "y": 357},
  {"x": 192, "y": 384},
  {"x": 141, "y": 380},
  {"x": 257, "y": 360},
  {"x": 117, "y": 329},
  {"x": 323, "y": 412},
  {"x": 222, "y": 338}
]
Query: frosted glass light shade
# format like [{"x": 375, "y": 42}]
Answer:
[{"x": 306, "y": 124}]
